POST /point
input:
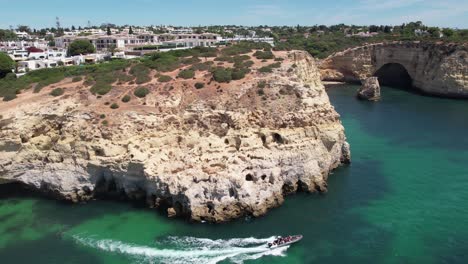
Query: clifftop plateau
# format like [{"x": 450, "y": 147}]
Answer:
[{"x": 196, "y": 146}]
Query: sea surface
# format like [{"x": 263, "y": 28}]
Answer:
[{"x": 404, "y": 199}]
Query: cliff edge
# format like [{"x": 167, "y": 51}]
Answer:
[{"x": 214, "y": 154}]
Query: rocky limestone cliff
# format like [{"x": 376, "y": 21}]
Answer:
[
  {"x": 370, "y": 89},
  {"x": 204, "y": 154},
  {"x": 434, "y": 68}
]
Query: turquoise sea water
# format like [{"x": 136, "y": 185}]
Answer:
[{"x": 404, "y": 199}]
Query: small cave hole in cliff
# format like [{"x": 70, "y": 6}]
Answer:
[
  {"x": 278, "y": 138},
  {"x": 394, "y": 75},
  {"x": 249, "y": 177}
]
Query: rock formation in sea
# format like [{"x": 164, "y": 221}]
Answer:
[
  {"x": 370, "y": 89},
  {"x": 433, "y": 68},
  {"x": 214, "y": 154}
]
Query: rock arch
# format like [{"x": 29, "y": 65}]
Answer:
[
  {"x": 394, "y": 75},
  {"x": 435, "y": 68}
]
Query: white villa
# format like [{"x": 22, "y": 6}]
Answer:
[
  {"x": 268, "y": 40},
  {"x": 54, "y": 59},
  {"x": 22, "y": 35},
  {"x": 182, "y": 31},
  {"x": 128, "y": 42},
  {"x": 22, "y": 44}
]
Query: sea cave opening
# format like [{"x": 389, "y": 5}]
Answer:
[{"x": 394, "y": 75}]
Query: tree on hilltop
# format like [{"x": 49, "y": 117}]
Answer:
[
  {"x": 23, "y": 28},
  {"x": 448, "y": 32},
  {"x": 6, "y": 64},
  {"x": 434, "y": 31},
  {"x": 80, "y": 46}
]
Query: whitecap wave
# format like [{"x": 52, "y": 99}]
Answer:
[{"x": 177, "y": 250}]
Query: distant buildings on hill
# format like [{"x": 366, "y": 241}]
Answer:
[{"x": 32, "y": 53}]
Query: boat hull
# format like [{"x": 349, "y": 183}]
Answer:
[{"x": 294, "y": 239}]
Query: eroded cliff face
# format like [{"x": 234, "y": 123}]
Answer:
[
  {"x": 204, "y": 154},
  {"x": 438, "y": 69}
]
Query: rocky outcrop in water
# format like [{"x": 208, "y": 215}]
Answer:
[
  {"x": 433, "y": 68},
  {"x": 212, "y": 154},
  {"x": 370, "y": 89}
]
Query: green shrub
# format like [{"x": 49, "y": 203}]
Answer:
[
  {"x": 261, "y": 92},
  {"x": 105, "y": 122},
  {"x": 114, "y": 106},
  {"x": 244, "y": 64},
  {"x": 262, "y": 84},
  {"x": 77, "y": 79},
  {"x": 101, "y": 88},
  {"x": 80, "y": 46},
  {"x": 126, "y": 98},
  {"x": 163, "y": 62},
  {"x": 225, "y": 58},
  {"x": 238, "y": 74},
  {"x": 264, "y": 55},
  {"x": 244, "y": 47},
  {"x": 102, "y": 116},
  {"x": 222, "y": 75},
  {"x": 104, "y": 72},
  {"x": 279, "y": 59},
  {"x": 39, "y": 87},
  {"x": 206, "y": 52},
  {"x": 89, "y": 81},
  {"x": 125, "y": 77},
  {"x": 105, "y": 77},
  {"x": 57, "y": 92},
  {"x": 141, "y": 92},
  {"x": 141, "y": 72},
  {"x": 142, "y": 79},
  {"x": 6, "y": 64},
  {"x": 269, "y": 68},
  {"x": 138, "y": 69},
  {"x": 9, "y": 97},
  {"x": 205, "y": 66},
  {"x": 275, "y": 65},
  {"x": 164, "y": 78},
  {"x": 199, "y": 85},
  {"x": 191, "y": 60},
  {"x": 265, "y": 69},
  {"x": 186, "y": 74}
]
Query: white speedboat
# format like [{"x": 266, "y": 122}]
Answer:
[{"x": 284, "y": 241}]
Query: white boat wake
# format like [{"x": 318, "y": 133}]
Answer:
[{"x": 177, "y": 250}]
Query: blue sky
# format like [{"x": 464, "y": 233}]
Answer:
[{"x": 42, "y": 13}]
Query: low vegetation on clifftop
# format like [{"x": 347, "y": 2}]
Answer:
[{"x": 218, "y": 65}]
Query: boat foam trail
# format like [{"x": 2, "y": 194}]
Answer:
[{"x": 189, "y": 249}]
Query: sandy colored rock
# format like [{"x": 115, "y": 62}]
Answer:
[
  {"x": 171, "y": 212},
  {"x": 214, "y": 154},
  {"x": 370, "y": 89},
  {"x": 435, "y": 68}
]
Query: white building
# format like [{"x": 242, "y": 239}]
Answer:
[
  {"x": 182, "y": 31},
  {"x": 49, "y": 54},
  {"x": 128, "y": 42},
  {"x": 19, "y": 55},
  {"x": 22, "y": 44},
  {"x": 22, "y": 35},
  {"x": 31, "y": 65},
  {"x": 235, "y": 39}
]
